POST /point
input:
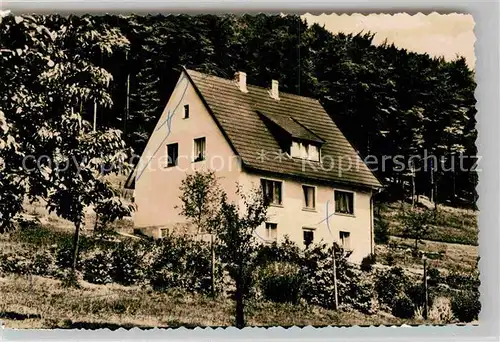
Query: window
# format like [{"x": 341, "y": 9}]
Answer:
[
  {"x": 308, "y": 236},
  {"x": 309, "y": 197},
  {"x": 344, "y": 202},
  {"x": 172, "y": 154},
  {"x": 304, "y": 150},
  {"x": 186, "y": 111},
  {"x": 272, "y": 191},
  {"x": 345, "y": 240},
  {"x": 271, "y": 231},
  {"x": 199, "y": 149}
]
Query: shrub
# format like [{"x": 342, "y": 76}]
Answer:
[
  {"x": 390, "y": 284},
  {"x": 97, "y": 268},
  {"x": 183, "y": 263},
  {"x": 466, "y": 306},
  {"x": 128, "y": 268},
  {"x": 14, "y": 263},
  {"x": 402, "y": 307},
  {"x": 416, "y": 293},
  {"x": 367, "y": 263},
  {"x": 463, "y": 281},
  {"x": 381, "y": 231},
  {"x": 318, "y": 275},
  {"x": 434, "y": 277},
  {"x": 286, "y": 251},
  {"x": 281, "y": 283},
  {"x": 64, "y": 257},
  {"x": 42, "y": 264}
]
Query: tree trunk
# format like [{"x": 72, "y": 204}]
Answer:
[
  {"x": 76, "y": 240},
  {"x": 240, "y": 315}
]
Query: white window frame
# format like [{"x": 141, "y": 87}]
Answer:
[
  {"x": 280, "y": 205},
  {"x": 193, "y": 158},
  {"x": 268, "y": 230},
  {"x": 305, "y": 145},
  {"x": 353, "y": 203},
  {"x": 304, "y": 207}
]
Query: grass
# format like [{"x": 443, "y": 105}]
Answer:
[
  {"x": 451, "y": 225},
  {"x": 447, "y": 257},
  {"x": 41, "y": 303}
]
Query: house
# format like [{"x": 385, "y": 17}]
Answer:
[{"x": 318, "y": 186}]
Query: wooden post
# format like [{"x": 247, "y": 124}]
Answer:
[
  {"x": 95, "y": 115},
  {"x": 426, "y": 308},
  {"x": 212, "y": 275},
  {"x": 335, "y": 278},
  {"x": 127, "y": 103}
]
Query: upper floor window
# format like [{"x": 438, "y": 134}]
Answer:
[
  {"x": 344, "y": 202},
  {"x": 172, "y": 154},
  {"x": 186, "y": 111},
  {"x": 309, "y": 197},
  {"x": 304, "y": 150},
  {"x": 272, "y": 191},
  {"x": 199, "y": 149}
]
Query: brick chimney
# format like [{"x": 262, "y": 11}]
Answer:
[
  {"x": 240, "y": 78},
  {"x": 275, "y": 93}
]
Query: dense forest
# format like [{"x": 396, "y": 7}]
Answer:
[{"x": 388, "y": 101}]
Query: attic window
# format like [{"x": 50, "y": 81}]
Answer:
[
  {"x": 186, "y": 111},
  {"x": 304, "y": 150}
]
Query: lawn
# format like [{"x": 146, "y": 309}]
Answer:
[
  {"x": 451, "y": 225},
  {"x": 41, "y": 303}
]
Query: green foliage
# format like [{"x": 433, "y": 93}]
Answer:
[
  {"x": 128, "y": 266},
  {"x": 97, "y": 268},
  {"x": 381, "y": 231},
  {"x": 466, "y": 305},
  {"x": 463, "y": 281},
  {"x": 402, "y": 307},
  {"x": 434, "y": 277},
  {"x": 317, "y": 271},
  {"x": 13, "y": 263},
  {"x": 281, "y": 283},
  {"x": 416, "y": 224},
  {"x": 367, "y": 262},
  {"x": 390, "y": 284},
  {"x": 43, "y": 264},
  {"x": 285, "y": 251},
  {"x": 183, "y": 263}
]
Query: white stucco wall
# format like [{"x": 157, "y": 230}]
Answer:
[
  {"x": 157, "y": 187},
  {"x": 291, "y": 217}
]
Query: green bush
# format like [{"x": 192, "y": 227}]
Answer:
[
  {"x": 466, "y": 306},
  {"x": 64, "y": 257},
  {"x": 286, "y": 251},
  {"x": 381, "y": 231},
  {"x": 14, "y": 263},
  {"x": 317, "y": 272},
  {"x": 463, "y": 281},
  {"x": 367, "y": 263},
  {"x": 390, "y": 284},
  {"x": 434, "y": 277},
  {"x": 402, "y": 307},
  {"x": 281, "y": 283},
  {"x": 128, "y": 267},
  {"x": 42, "y": 264},
  {"x": 183, "y": 263},
  {"x": 97, "y": 268},
  {"x": 416, "y": 293}
]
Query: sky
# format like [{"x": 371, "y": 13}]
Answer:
[{"x": 448, "y": 35}]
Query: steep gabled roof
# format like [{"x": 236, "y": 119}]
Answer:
[{"x": 237, "y": 114}]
